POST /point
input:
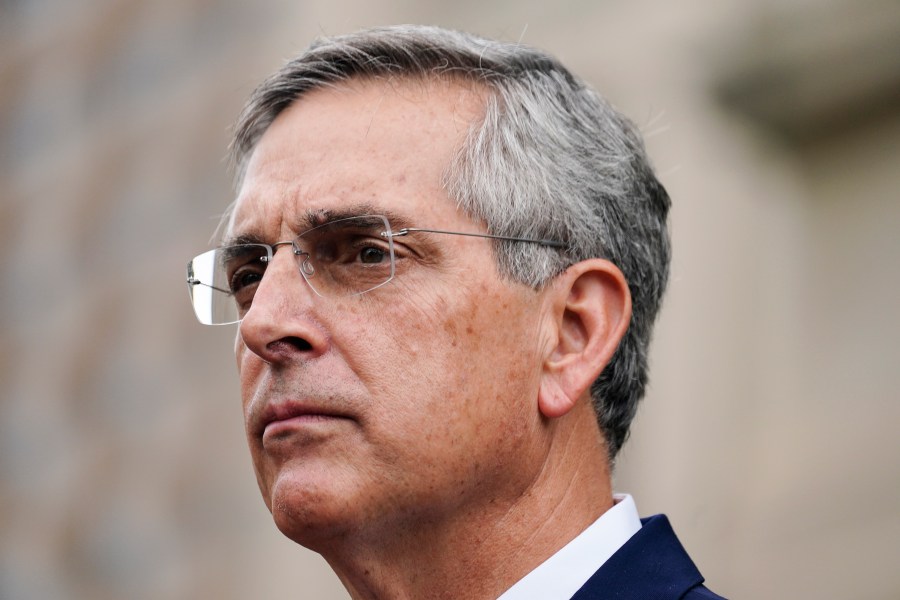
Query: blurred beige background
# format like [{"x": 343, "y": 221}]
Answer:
[{"x": 769, "y": 435}]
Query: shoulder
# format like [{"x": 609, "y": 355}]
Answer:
[
  {"x": 701, "y": 592},
  {"x": 652, "y": 564}
]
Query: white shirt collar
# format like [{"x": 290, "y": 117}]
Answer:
[{"x": 563, "y": 574}]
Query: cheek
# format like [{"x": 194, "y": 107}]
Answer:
[
  {"x": 471, "y": 350},
  {"x": 467, "y": 383},
  {"x": 249, "y": 368}
]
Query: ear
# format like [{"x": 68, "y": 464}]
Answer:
[{"x": 590, "y": 312}]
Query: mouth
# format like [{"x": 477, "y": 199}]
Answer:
[{"x": 278, "y": 420}]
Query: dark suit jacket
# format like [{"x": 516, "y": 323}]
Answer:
[{"x": 652, "y": 565}]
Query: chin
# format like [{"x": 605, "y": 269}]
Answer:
[{"x": 310, "y": 514}]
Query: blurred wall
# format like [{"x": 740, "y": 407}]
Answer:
[{"x": 768, "y": 435}]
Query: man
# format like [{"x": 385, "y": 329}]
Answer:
[{"x": 445, "y": 258}]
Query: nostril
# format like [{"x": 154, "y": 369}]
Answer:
[
  {"x": 297, "y": 343},
  {"x": 289, "y": 345}
]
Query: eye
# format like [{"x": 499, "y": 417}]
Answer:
[
  {"x": 241, "y": 266},
  {"x": 245, "y": 277},
  {"x": 372, "y": 255}
]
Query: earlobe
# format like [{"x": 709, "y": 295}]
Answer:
[
  {"x": 553, "y": 402},
  {"x": 591, "y": 310}
]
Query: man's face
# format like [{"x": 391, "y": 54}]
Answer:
[{"x": 411, "y": 404}]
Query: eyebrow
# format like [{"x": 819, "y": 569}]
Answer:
[
  {"x": 240, "y": 240},
  {"x": 316, "y": 217}
]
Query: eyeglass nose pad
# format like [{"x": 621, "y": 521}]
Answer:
[{"x": 305, "y": 266}]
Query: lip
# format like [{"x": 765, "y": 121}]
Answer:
[{"x": 281, "y": 417}]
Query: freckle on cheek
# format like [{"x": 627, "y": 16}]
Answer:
[{"x": 452, "y": 332}]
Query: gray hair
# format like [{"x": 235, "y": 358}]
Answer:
[{"x": 551, "y": 159}]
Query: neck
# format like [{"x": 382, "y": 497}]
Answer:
[{"x": 482, "y": 550}]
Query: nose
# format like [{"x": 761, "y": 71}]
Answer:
[{"x": 280, "y": 325}]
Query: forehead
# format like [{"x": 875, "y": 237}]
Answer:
[{"x": 360, "y": 146}]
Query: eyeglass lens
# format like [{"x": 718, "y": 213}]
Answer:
[{"x": 340, "y": 258}]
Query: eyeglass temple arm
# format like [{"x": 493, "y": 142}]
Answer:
[
  {"x": 408, "y": 230},
  {"x": 193, "y": 281}
]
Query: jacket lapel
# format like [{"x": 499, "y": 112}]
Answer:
[{"x": 651, "y": 565}]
